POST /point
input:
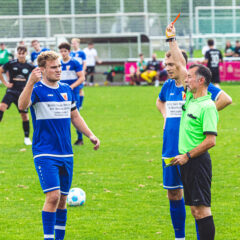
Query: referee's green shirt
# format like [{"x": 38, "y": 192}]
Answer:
[{"x": 199, "y": 117}]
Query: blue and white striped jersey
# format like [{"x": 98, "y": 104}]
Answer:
[
  {"x": 51, "y": 115},
  {"x": 79, "y": 55},
  {"x": 69, "y": 73},
  {"x": 174, "y": 97},
  {"x": 35, "y": 54}
]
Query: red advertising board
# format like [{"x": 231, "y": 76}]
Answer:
[{"x": 229, "y": 71}]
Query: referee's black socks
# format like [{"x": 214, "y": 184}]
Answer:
[
  {"x": 1, "y": 115},
  {"x": 26, "y": 128},
  {"x": 206, "y": 228}
]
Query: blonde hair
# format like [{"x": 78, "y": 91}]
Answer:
[
  {"x": 46, "y": 56},
  {"x": 76, "y": 39}
]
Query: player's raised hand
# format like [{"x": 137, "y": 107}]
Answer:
[
  {"x": 170, "y": 31},
  {"x": 95, "y": 141},
  {"x": 36, "y": 75}
]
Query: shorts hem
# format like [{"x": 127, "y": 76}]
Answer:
[
  {"x": 198, "y": 204},
  {"x": 64, "y": 193},
  {"x": 173, "y": 187},
  {"x": 51, "y": 189}
]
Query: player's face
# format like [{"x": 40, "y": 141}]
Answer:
[
  {"x": 64, "y": 53},
  {"x": 53, "y": 70},
  {"x": 192, "y": 81},
  {"x": 171, "y": 68},
  {"x": 36, "y": 46},
  {"x": 21, "y": 55},
  {"x": 75, "y": 44}
]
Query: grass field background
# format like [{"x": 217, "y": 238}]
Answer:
[{"x": 123, "y": 180}]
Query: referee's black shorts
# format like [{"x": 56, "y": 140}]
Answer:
[
  {"x": 12, "y": 97},
  {"x": 196, "y": 176}
]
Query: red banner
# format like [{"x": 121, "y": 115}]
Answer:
[{"x": 229, "y": 71}]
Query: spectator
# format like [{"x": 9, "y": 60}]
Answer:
[
  {"x": 229, "y": 50},
  {"x": 237, "y": 49},
  {"x": 153, "y": 71},
  {"x": 141, "y": 67},
  {"x": 4, "y": 54},
  {"x": 91, "y": 58}
]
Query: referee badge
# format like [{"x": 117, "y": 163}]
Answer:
[
  {"x": 183, "y": 95},
  {"x": 65, "y": 96}
]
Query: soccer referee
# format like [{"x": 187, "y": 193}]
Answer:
[{"x": 198, "y": 131}]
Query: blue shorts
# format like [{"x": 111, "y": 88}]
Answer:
[
  {"x": 81, "y": 86},
  {"x": 54, "y": 173},
  {"x": 171, "y": 177}
]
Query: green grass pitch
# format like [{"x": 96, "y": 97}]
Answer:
[{"x": 123, "y": 180}]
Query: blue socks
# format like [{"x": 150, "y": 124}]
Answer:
[
  {"x": 61, "y": 218},
  {"x": 81, "y": 101},
  {"x": 48, "y": 220},
  {"x": 178, "y": 215},
  {"x": 196, "y": 225}
]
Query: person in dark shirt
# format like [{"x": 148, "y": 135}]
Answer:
[
  {"x": 212, "y": 58},
  {"x": 18, "y": 72},
  {"x": 153, "y": 71}
]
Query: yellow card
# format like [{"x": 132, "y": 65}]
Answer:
[{"x": 168, "y": 161}]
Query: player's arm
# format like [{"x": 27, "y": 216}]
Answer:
[
  {"x": 223, "y": 101},
  {"x": 24, "y": 100},
  {"x": 8, "y": 85},
  {"x": 176, "y": 52},
  {"x": 84, "y": 66},
  {"x": 161, "y": 106},
  {"x": 97, "y": 58},
  {"x": 79, "y": 81},
  {"x": 207, "y": 143},
  {"x": 206, "y": 58},
  {"x": 82, "y": 127}
]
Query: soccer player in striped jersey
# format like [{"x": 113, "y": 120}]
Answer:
[
  {"x": 79, "y": 55},
  {"x": 37, "y": 50},
  {"x": 53, "y": 109},
  {"x": 169, "y": 102},
  {"x": 72, "y": 74}
]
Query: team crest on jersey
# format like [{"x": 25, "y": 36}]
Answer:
[
  {"x": 77, "y": 55},
  {"x": 68, "y": 67},
  {"x": 65, "y": 96},
  {"x": 183, "y": 95},
  {"x": 25, "y": 71}
]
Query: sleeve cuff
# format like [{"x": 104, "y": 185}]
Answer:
[{"x": 210, "y": 133}]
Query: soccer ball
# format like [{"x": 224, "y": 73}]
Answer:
[{"x": 76, "y": 197}]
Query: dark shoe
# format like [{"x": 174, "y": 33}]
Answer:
[{"x": 78, "y": 143}]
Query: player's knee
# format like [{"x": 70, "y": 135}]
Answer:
[
  {"x": 53, "y": 198},
  {"x": 175, "y": 194},
  {"x": 63, "y": 202},
  {"x": 200, "y": 212}
]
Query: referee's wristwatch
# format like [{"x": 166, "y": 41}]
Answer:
[{"x": 188, "y": 155}]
